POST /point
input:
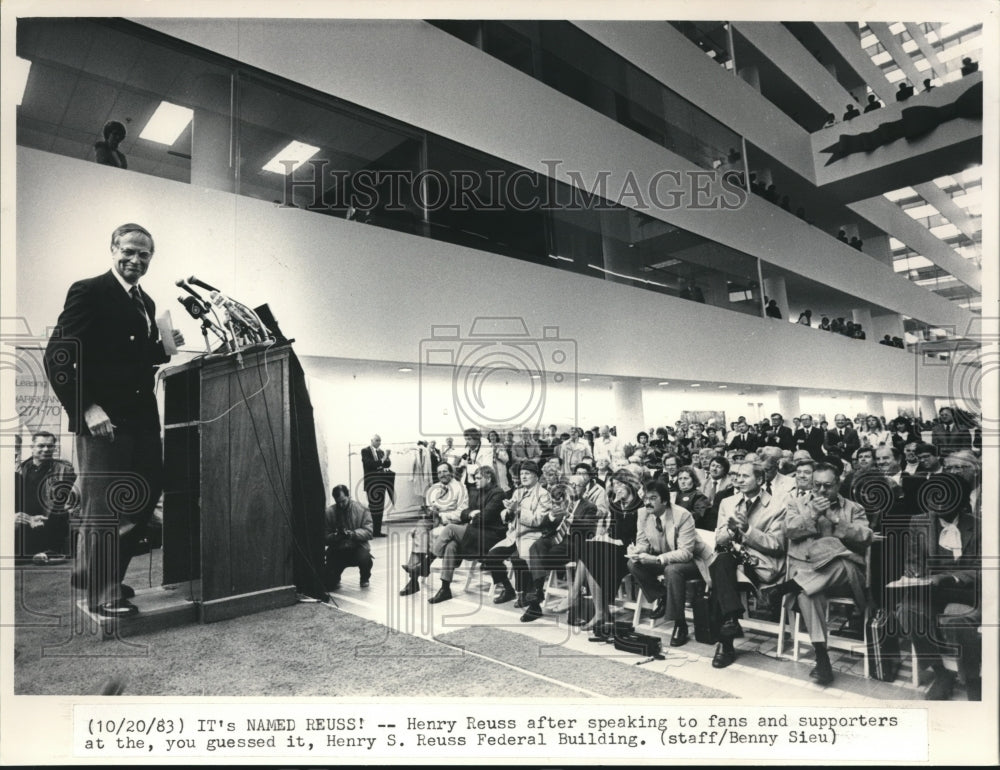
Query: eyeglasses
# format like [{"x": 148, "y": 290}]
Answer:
[{"x": 827, "y": 485}]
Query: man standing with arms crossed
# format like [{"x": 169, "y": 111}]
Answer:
[{"x": 101, "y": 361}]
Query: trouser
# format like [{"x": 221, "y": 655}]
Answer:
[
  {"x": 339, "y": 559},
  {"x": 120, "y": 484},
  {"x": 839, "y": 577},
  {"x": 546, "y": 555},
  {"x": 445, "y": 546},
  {"x": 938, "y": 626},
  {"x": 674, "y": 588},
  {"x": 51, "y": 536},
  {"x": 493, "y": 563},
  {"x": 724, "y": 588}
]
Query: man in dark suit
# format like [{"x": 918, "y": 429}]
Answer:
[
  {"x": 779, "y": 434},
  {"x": 810, "y": 438},
  {"x": 379, "y": 481},
  {"x": 947, "y": 435},
  {"x": 744, "y": 439},
  {"x": 944, "y": 611},
  {"x": 843, "y": 437},
  {"x": 100, "y": 362}
]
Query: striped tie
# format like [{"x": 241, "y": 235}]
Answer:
[{"x": 563, "y": 529}]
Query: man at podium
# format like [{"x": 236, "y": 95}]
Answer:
[{"x": 101, "y": 361}]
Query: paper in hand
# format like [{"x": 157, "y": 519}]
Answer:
[{"x": 166, "y": 327}]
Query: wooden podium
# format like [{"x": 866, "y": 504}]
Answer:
[{"x": 243, "y": 498}]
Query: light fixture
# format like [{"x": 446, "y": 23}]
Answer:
[
  {"x": 167, "y": 123},
  {"x": 585, "y": 379},
  {"x": 663, "y": 383},
  {"x": 695, "y": 384},
  {"x": 536, "y": 376},
  {"x": 404, "y": 369},
  {"x": 722, "y": 387},
  {"x": 295, "y": 151},
  {"x": 20, "y": 77}
]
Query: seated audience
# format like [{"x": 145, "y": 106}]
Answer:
[
  {"x": 527, "y": 515},
  {"x": 751, "y": 533},
  {"x": 480, "y": 527},
  {"x": 603, "y": 556},
  {"x": 444, "y": 503},
  {"x": 689, "y": 496},
  {"x": 667, "y": 546},
  {"x": 827, "y": 540},
  {"x": 43, "y": 496},
  {"x": 943, "y": 617}
]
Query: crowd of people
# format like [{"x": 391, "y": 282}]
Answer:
[{"x": 794, "y": 508}]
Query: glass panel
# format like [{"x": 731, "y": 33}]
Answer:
[{"x": 87, "y": 72}]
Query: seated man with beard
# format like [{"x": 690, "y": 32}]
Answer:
[{"x": 481, "y": 528}]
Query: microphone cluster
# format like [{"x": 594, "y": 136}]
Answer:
[{"x": 235, "y": 324}]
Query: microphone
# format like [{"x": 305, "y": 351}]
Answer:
[
  {"x": 202, "y": 284},
  {"x": 196, "y": 309},
  {"x": 180, "y": 282},
  {"x": 237, "y": 314}
]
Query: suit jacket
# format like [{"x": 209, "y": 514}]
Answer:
[
  {"x": 711, "y": 519},
  {"x": 745, "y": 441},
  {"x": 765, "y": 535},
  {"x": 100, "y": 352},
  {"x": 782, "y": 438},
  {"x": 926, "y": 557},
  {"x": 376, "y": 469},
  {"x": 950, "y": 441},
  {"x": 848, "y": 444},
  {"x": 814, "y": 540},
  {"x": 812, "y": 441},
  {"x": 488, "y": 524},
  {"x": 707, "y": 488}
]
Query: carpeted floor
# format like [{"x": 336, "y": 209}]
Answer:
[
  {"x": 304, "y": 650},
  {"x": 596, "y": 674}
]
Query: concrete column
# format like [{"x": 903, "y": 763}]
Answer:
[
  {"x": 875, "y": 404},
  {"x": 629, "y": 415},
  {"x": 863, "y": 316},
  {"x": 211, "y": 137},
  {"x": 888, "y": 323},
  {"x": 927, "y": 408},
  {"x": 774, "y": 288},
  {"x": 751, "y": 75},
  {"x": 877, "y": 247},
  {"x": 788, "y": 404}
]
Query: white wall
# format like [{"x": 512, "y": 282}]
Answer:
[{"x": 348, "y": 290}]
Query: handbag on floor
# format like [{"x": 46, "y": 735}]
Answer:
[
  {"x": 639, "y": 644},
  {"x": 884, "y": 657}
]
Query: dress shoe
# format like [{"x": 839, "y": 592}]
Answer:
[
  {"x": 410, "y": 588},
  {"x": 680, "y": 636},
  {"x": 941, "y": 687},
  {"x": 822, "y": 673},
  {"x": 731, "y": 629},
  {"x": 443, "y": 594},
  {"x": 521, "y": 602},
  {"x": 533, "y": 612},
  {"x": 657, "y": 611},
  {"x": 505, "y": 596},
  {"x": 723, "y": 657},
  {"x": 407, "y": 569},
  {"x": 365, "y": 582},
  {"x": 122, "y": 609},
  {"x": 127, "y": 592}
]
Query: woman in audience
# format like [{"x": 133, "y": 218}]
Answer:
[
  {"x": 603, "y": 556},
  {"x": 903, "y": 432},
  {"x": 500, "y": 458},
  {"x": 874, "y": 434},
  {"x": 688, "y": 495}
]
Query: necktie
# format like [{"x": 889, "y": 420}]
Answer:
[
  {"x": 563, "y": 528},
  {"x": 140, "y": 306},
  {"x": 768, "y": 487},
  {"x": 951, "y": 539}
]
